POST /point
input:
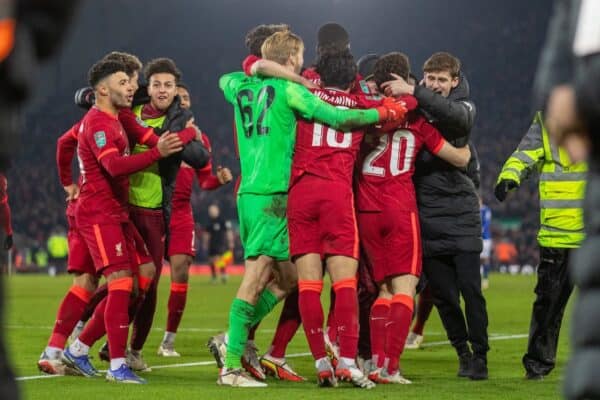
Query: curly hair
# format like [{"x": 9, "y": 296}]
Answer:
[
  {"x": 131, "y": 62},
  {"x": 103, "y": 69},
  {"x": 391, "y": 63},
  {"x": 161, "y": 66},
  {"x": 336, "y": 69}
]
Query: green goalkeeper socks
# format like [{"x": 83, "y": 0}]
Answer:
[
  {"x": 241, "y": 315},
  {"x": 266, "y": 302}
]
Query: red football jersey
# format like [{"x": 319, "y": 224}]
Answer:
[
  {"x": 323, "y": 151},
  {"x": 102, "y": 147},
  {"x": 387, "y": 163}
]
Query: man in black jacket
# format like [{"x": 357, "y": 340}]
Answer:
[{"x": 449, "y": 212}]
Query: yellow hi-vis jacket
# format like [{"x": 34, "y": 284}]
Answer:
[
  {"x": 145, "y": 187},
  {"x": 562, "y": 185}
]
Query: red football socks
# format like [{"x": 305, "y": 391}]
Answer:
[
  {"x": 69, "y": 313},
  {"x": 397, "y": 328},
  {"x": 289, "y": 322},
  {"x": 176, "y": 305},
  {"x": 116, "y": 317},
  {"x": 346, "y": 316},
  {"x": 380, "y": 313},
  {"x": 309, "y": 302}
]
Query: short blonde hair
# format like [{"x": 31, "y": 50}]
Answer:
[{"x": 280, "y": 46}]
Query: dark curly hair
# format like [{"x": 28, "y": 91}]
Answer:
[
  {"x": 131, "y": 62},
  {"x": 391, "y": 63},
  {"x": 257, "y": 35},
  {"x": 161, "y": 66},
  {"x": 102, "y": 69},
  {"x": 337, "y": 69}
]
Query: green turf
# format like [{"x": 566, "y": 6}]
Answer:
[{"x": 33, "y": 301}]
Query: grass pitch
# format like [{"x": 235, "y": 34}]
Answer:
[{"x": 33, "y": 301}]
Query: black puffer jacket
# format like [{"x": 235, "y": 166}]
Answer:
[{"x": 446, "y": 195}]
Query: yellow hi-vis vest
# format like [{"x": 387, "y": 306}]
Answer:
[
  {"x": 562, "y": 185},
  {"x": 145, "y": 187}
]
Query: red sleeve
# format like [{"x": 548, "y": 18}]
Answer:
[
  {"x": 248, "y": 63},
  {"x": 106, "y": 151},
  {"x": 137, "y": 129},
  {"x": 187, "y": 135},
  {"x": 364, "y": 101},
  {"x": 66, "y": 147},
  {"x": 432, "y": 137},
  {"x": 117, "y": 165},
  {"x": 411, "y": 101},
  {"x": 206, "y": 179}
]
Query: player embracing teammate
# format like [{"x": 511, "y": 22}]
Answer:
[{"x": 388, "y": 220}]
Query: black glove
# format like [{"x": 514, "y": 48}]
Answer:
[
  {"x": 195, "y": 154},
  {"x": 8, "y": 242},
  {"x": 141, "y": 96},
  {"x": 85, "y": 97},
  {"x": 503, "y": 187}
]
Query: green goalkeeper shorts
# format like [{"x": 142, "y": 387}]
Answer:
[{"x": 263, "y": 225}]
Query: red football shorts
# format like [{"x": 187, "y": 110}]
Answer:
[
  {"x": 79, "y": 260},
  {"x": 321, "y": 218},
  {"x": 150, "y": 224},
  {"x": 115, "y": 247},
  {"x": 391, "y": 240},
  {"x": 182, "y": 237}
]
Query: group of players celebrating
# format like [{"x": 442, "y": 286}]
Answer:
[
  {"x": 326, "y": 185},
  {"x": 322, "y": 166}
]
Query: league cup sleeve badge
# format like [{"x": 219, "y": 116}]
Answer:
[{"x": 100, "y": 139}]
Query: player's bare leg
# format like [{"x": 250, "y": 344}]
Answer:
[{"x": 180, "y": 266}]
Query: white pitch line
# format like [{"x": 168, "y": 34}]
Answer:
[
  {"x": 491, "y": 338},
  {"x": 204, "y": 363},
  {"x": 41, "y": 327}
]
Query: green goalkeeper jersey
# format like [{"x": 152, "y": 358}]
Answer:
[{"x": 265, "y": 121}]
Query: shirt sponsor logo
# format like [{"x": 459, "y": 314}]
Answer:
[
  {"x": 119, "y": 249},
  {"x": 100, "y": 139}
]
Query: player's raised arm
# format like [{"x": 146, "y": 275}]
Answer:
[
  {"x": 117, "y": 165},
  {"x": 309, "y": 106},
  {"x": 229, "y": 83},
  {"x": 262, "y": 67}
]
